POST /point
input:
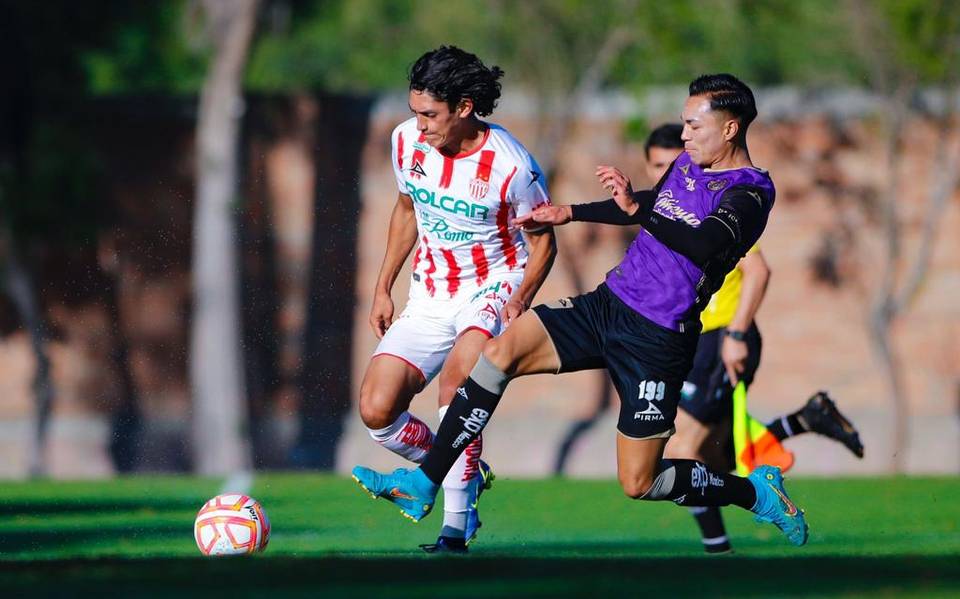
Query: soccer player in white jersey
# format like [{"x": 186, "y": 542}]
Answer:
[{"x": 461, "y": 183}]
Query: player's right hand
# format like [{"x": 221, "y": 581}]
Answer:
[
  {"x": 544, "y": 215},
  {"x": 381, "y": 314}
]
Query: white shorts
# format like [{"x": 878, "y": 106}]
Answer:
[{"x": 426, "y": 330}]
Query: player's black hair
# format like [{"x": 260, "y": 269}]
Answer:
[
  {"x": 450, "y": 74},
  {"x": 664, "y": 136},
  {"x": 727, "y": 93}
]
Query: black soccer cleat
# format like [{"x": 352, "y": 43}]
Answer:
[
  {"x": 821, "y": 416},
  {"x": 446, "y": 545}
]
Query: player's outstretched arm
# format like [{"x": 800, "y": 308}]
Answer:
[
  {"x": 624, "y": 208},
  {"x": 401, "y": 236},
  {"x": 544, "y": 215}
]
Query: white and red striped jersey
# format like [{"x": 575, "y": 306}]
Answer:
[{"x": 464, "y": 206}]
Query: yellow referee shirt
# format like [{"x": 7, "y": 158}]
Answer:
[{"x": 723, "y": 305}]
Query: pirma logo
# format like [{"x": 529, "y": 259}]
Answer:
[{"x": 650, "y": 391}]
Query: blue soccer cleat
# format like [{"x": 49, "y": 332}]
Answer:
[
  {"x": 411, "y": 490},
  {"x": 481, "y": 482},
  {"x": 774, "y": 506}
]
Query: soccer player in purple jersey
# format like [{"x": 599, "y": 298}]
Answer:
[
  {"x": 729, "y": 352},
  {"x": 642, "y": 324}
]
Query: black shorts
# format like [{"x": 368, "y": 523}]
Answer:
[
  {"x": 647, "y": 362},
  {"x": 707, "y": 394}
]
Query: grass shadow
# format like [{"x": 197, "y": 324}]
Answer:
[{"x": 492, "y": 576}]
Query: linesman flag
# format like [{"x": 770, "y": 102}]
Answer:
[{"x": 753, "y": 444}]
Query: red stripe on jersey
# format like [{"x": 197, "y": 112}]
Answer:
[
  {"x": 431, "y": 268},
  {"x": 418, "y": 157},
  {"x": 485, "y": 165},
  {"x": 503, "y": 218},
  {"x": 480, "y": 263},
  {"x": 400, "y": 150},
  {"x": 416, "y": 257},
  {"x": 447, "y": 174},
  {"x": 453, "y": 272}
]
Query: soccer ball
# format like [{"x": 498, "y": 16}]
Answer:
[{"x": 231, "y": 524}]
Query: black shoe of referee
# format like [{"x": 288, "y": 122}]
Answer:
[{"x": 821, "y": 416}]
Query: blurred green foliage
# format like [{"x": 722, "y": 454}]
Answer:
[
  {"x": 149, "y": 53},
  {"x": 367, "y": 45}
]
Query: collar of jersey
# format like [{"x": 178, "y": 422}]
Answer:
[
  {"x": 736, "y": 168},
  {"x": 486, "y": 135}
]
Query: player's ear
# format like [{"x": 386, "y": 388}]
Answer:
[
  {"x": 464, "y": 108},
  {"x": 731, "y": 129}
]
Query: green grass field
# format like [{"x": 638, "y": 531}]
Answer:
[{"x": 545, "y": 538}]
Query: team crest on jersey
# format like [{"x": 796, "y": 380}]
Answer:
[
  {"x": 691, "y": 183},
  {"x": 717, "y": 184},
  {"x": 479, "y": 189}
]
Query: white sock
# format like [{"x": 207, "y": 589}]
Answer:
[
  {"x": 408, "y": 437},
  {"x": 455, "y": 487}
]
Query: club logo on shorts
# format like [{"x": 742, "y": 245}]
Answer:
[
  {"x": 563, "y": 302},
  {"x": 479, "y": 189},
  {"x": 488, "y": 313}
]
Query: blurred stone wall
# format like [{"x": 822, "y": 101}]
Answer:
[
  {"x": 823, "y": 243},
  {"x": 824, "y": 246}
]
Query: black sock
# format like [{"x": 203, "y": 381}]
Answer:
[
  {"x": 696, "y": 485},
  {"x": 712, "y": 531},
  {"x": 467, "y": 415},
  {"x": 787, "y": 426}
]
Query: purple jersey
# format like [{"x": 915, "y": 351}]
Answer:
[{"x": 665, "y": 286}]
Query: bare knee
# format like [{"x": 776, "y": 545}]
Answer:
[
  {"x": 635, "y": 486},
  {"x": 378, "y": 409},
  {"x": 499, "y": 353}
]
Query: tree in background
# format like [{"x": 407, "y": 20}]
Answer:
[
  {"x": 50, "y": 199},
  {"x": 220, "y": 429},
  {"x": 906, "y": 45}
]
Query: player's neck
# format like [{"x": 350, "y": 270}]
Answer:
[
  {"x": 470, "y": 136},
  {"x": 735, "y": 156}
]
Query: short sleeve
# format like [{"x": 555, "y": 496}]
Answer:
[
  {"x": 398, "y": 146},
  {"x": 528, "y": 188}
]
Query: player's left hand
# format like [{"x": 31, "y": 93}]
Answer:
[
  {"x": 618, "y": 184},
  {"x": 734, "y": 354},
  {"x": 512, "y": 310}
]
